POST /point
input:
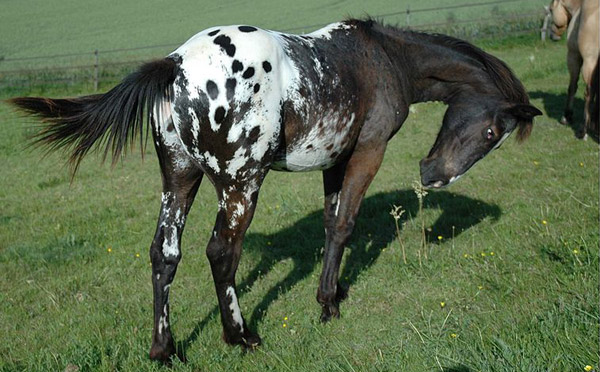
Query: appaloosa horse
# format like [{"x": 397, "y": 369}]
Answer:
[
  {"x": 234, "y": 102},
  {"x": 580, "y": 19}
]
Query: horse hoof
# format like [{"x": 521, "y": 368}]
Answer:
[
  {"x": 329, "y": 312},
  {"x": 581, "y": 135},
  {"x": 162, "y": 354},
  {"x": 251, "y": 342},
  {"x": 564, "y": 121}
]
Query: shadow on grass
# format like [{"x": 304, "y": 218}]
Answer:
[
  {"x": 459, "y": 368},
  {"x": 374, "y": 230},
  {"x": 554, "y": 105}
]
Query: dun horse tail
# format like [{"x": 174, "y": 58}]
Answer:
[{"x": 112, "y": 119}]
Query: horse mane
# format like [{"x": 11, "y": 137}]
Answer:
[{"x": 499, "y": 73}]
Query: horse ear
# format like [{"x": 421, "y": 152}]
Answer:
[{"x": 524, "y": 113}]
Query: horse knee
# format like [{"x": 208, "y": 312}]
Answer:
[{"x": 157, "y": 256}]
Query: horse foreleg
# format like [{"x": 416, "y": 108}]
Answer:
[
  {"x": 165, "y": 254},
  {"x": 574, "y": 64},
  {"x": 345, "y": 188},
  {"x": 237, "y": 203},
  {"x": 589, "y": 64}
]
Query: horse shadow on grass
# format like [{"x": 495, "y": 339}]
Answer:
[
  {"x": 554, "y": 105},
  {"x": 374, "y": 230}
]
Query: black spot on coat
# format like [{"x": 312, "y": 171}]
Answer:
[
  {"x": 248, "y": 73},
  {"x": 237, "y": 66},
  {"x": 256, "y": 88},
  {"x": 225, "y": 43},
  {"x": 247, "y": 28},
  {"x": 267, "y": 66},
  {"x": 230, "y": 86},
  {"x": 212, "y": 90},
  {"x": 219, "y": 114},
  {"x": 213, "y": 33}
]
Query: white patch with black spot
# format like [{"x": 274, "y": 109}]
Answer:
[
  {"x": 320, "y": 147},
  {"x": 163, "y": 118},
  {"x": 203, "y": 60}
]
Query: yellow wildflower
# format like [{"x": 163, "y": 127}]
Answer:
[
  {"x": 453, "y": 335},
  {"x": 442, "y": 304},
  {"x": 544, "y": 222},
  {"x": 137, "y": 255},
  {"x": 587, "y": 368},
  {"x": 109, "y": 249},
  {"x": 440, "y": 237}
]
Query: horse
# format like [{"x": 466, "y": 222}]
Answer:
[
  {"x": 234, "y": 102},
  {"x": 580, "y": 19}
]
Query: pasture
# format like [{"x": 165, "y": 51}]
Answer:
[{"x": 510, "y": 281}]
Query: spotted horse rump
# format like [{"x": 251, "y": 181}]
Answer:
[{"x": 234, "y": 102}]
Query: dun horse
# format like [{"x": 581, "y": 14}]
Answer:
[
  {"x": 234, "y": 102},
  {"x": 580, "y": 19}
]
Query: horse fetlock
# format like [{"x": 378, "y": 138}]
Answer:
[
  {"x": 329, "y": 311},
  {"x": 248, "y": 340}
]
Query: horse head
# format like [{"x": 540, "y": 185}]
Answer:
[
  {"x": 561, "y": 12},
  {"x": 471, "y": 129}
]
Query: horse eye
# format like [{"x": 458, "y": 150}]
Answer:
[{"x": 489, "y": 134}]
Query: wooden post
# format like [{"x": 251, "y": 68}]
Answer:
[
  {"x": 408, "y": 16},
  {"x": 96, "y": 70},
  {"x": 544, "y": 30}
]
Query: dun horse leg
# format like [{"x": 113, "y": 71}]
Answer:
[
  {"x": 341, "y": 209},
  {"x": 236, "y": 209},
  {"x": 587, "y": 72},
  {"x": 574, "y": 64}
]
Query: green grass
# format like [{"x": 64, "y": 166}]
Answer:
[
  {"x": 532, "y": 305},
  {"x": 43, "y": 28}
]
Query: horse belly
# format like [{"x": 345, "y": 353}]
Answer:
[{"x": 320, "y": 147}]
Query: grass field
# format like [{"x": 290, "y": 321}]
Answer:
[
  {"x": 512, "y": 285},
  {"x": 45, "y": 28}
]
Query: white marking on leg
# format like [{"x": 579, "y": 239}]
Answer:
[
  {"x": 337, "y": 207},
  {"x": 235, "y": 308}
]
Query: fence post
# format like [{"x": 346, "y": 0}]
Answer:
[
  {"x": 544, "y": 30},
  {"x": 408, "y": 16},
  {"x": 96, "y": 70}
]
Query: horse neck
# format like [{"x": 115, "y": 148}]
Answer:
[
  {"x": 572, "y": 6},
  {"x": 432, "y": 71}
]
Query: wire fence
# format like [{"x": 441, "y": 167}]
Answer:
[{"x": 99, "y": 70}]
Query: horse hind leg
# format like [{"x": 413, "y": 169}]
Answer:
[
  {"x": 181, "y": 180},
  {"x": 237, "y": 203},
  {"x": 589, "y": 68},
  {"x": 574, "y": 62}
]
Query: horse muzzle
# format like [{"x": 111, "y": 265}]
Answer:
[{"x": 433, "y": 173}]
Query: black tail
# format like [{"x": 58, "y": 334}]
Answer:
[{"x": 113, "y": 119}]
